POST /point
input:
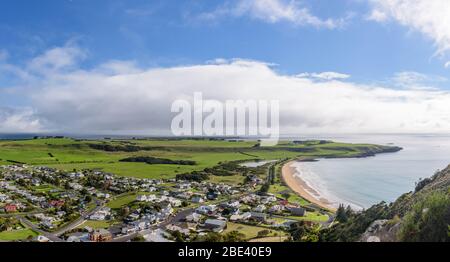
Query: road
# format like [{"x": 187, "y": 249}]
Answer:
[
  {"x": 83, "y": 217},
  {"x": 48, "y": 235}
]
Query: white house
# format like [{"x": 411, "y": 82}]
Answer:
[{"x": 260, "y": 208}]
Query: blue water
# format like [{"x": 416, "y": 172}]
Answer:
[
  {"x": 256, "y": 163},
  {"x": 363, "y": 182}
]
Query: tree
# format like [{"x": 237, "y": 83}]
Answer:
[
  {"x": 302, "y": 232},
  {"x": 234, "y": 236},
  {"x": 286, "y": 195},
  {"x": 211, "y": 237},
  {"x": 88, "y": 198},
  {"x": 138, "y": 238},
  {"x": 179, "y": 237},
  {"x": 125, "y": 211},
  {"x": 265, "y": 188},
  {"x": 263, "y": 233},
  {"x": 341, "y": 214}
]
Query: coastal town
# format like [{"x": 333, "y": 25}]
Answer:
[{"x": 48, "y": 205}]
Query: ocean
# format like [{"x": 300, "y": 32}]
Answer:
[{"x": 362, "y": 182}]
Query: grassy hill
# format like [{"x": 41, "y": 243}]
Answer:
[{"x": 70, "y": 154}]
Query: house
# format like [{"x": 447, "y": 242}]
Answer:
[
  {"x": 259, "y": 217},
  {"x": 197, "y": 199},
  {"x": 183, "y": 186},
  {"x": 184, "y": 195},
  {"x": 129, "y": 229},
  {"x": 215, "y": 225},
  {"x": 47, "y": 224},
  {"x": 194, "y": 217},
  {"x": 60, "y": 213},
  {"x": 141, "y": 224},
  {"x": 175, "y": 202},
  {"x": 100, "y": 235},
  {"x": 78, "y": 237},
  {"x": 36, "y": 182},
  {"x": 157, "y": 235},
  {"x": 206, "y": 210},
  {"x": 102, "y": 214},
  {"x": 260, "y": 208},
  {"x": 42, "y": 239},
  {"x": 177, "y": 228},
  {"x": 212, "y": 195},
  {"x": 10, "y": 208},
  {"x": 276, "y": 209},
  {"x": 141, "y": 198},
  {"x": 56, "y": 203},
  {"x": 241, "y": 217},
  {"x": 297, "y": 211},
  {"x": 3, "y": 197}
]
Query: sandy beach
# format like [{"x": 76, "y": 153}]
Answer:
[{"x": 300, "y": 187}]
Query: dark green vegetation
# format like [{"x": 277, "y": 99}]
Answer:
[
  {"x": 422, "y": 215},
  {"x": 154, "y": 161},
  {"x": 168, "y": 157}
]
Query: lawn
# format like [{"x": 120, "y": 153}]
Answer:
[
  {"x": 96, "y": 224},
  {"x": 311, "y": 216},
  {"x": 44, "y": 188},
  {"x": 279, "y": 189},
  {"x": 122, "y": 200},
  {"x": 250, "y": 231},
  {"x": 21, "y": 234}
]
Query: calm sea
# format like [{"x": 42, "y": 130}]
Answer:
[{"x": 363, "y": 182}]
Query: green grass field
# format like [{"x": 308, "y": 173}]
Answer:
[
  {"x": 122, "y": 200},
  {"x": 250, "y": 231},
  {"x": 96, "y": 224},
  {"x": 17, "y": 234},
  {"x": 69, "y": 154},
  {"x": 311, "y": 216}
]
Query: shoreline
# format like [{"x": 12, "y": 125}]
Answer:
[{"x": 300, "y": 187}]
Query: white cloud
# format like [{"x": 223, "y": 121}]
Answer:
[
  {"x": 429, "y": 17},
  {"x": 324, "y": 75},
  {"x": 415, "y": 80},
  {"x": 18, "y": 120},
  {"x": 447, "y": 65},
  {"x": 57, "y": 58},
  {"x": 119, "y": 96},
  {"x": 273, "y": 11}
]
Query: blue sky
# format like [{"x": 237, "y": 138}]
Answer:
[
  {"x": 166, "y": 33},
  {"x": 358, "y": 38}
]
